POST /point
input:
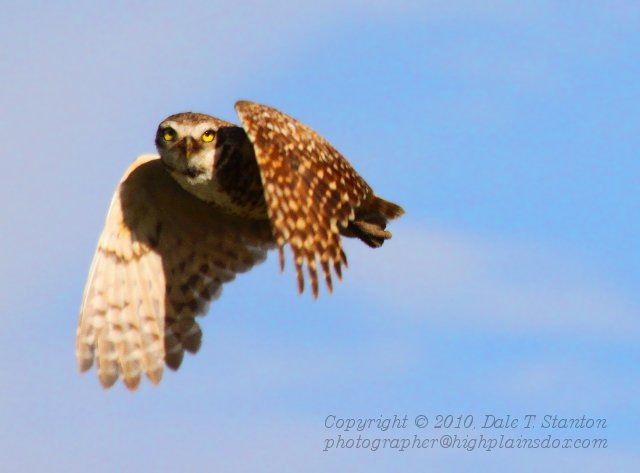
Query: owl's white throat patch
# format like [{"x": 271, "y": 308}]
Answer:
[{"x": 207, "y": 188}]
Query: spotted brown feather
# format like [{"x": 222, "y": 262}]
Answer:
[
  {"x": 162, "y": 257},
  {"x": 181, "y": 226},
  {"x": 310, "y": 189}
]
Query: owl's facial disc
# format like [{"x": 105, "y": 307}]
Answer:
[
  {"x": 190, "y": 145},
  {"x": 186, "y": 143}
]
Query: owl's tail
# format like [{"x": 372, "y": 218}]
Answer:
[
  {"x": 384, "y": 208},
  {"x": 371, "y": 221}
]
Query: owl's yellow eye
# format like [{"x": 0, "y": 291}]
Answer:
[
  {"x": 169, "y": 134},
  {"x": 208, "y": 136}
]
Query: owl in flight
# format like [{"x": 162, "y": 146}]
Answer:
[{"x": 211, "y": 205}]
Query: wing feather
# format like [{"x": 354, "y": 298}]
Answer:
[
  {"x": 310, "y": 189},
  {"x": 162, "y": 257}
]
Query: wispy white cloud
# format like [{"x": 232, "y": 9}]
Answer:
[
  {"x": 437, "y": 10},
  {"x": 596, "y": 389},
  {"x": 287, "y": 364},
  {"x": 464, "y": 280}
]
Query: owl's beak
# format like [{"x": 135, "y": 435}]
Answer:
[{"x": 187, "y": 146}]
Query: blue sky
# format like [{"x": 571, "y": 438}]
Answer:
[{"x": 507, "y": 130}]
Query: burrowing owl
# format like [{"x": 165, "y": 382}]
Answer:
[{"x": 210, "y": 206}]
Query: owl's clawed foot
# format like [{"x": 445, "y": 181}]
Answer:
[{"x": 373, "y": 234}]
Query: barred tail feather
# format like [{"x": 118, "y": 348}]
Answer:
[{"x": 387, "y": 209}]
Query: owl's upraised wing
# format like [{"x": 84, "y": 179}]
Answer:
[
  {"x": 310, "y": 189},
  {"x": 162, "y": 257}
]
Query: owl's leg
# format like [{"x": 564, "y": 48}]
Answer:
[
  {"x": 371, "y": 220},
  {"x": 372, "y": 233}
]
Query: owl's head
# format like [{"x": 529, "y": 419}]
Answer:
[{"x": 187, "y": 144}]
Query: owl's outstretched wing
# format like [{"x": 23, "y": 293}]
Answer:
[
  {"x": 162, "y": 257},
  {"x": 310, "y": 189}
]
